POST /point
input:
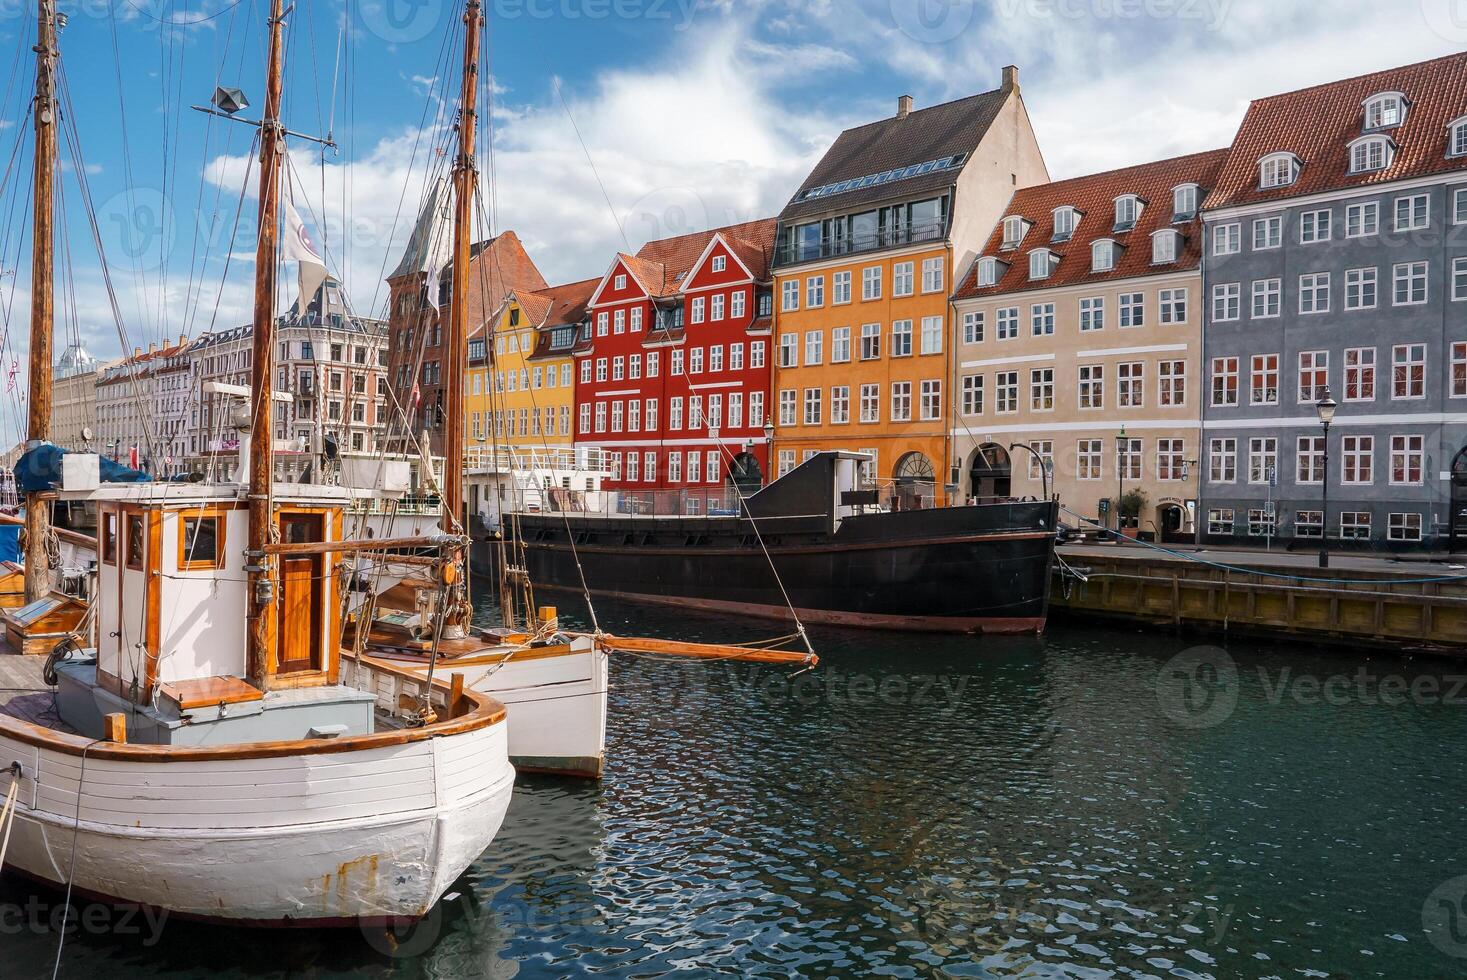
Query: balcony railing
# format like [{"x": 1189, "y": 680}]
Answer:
[
  {"x": 793, "y": 252},
  {"x": 581, "y": 459}
]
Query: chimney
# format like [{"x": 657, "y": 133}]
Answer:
[
  {"x": 137, "y": 352},
  {"x": 904, "y": 106},
  {"x": 1010, "y": 78},
  {"x": 152, "y": 348}
]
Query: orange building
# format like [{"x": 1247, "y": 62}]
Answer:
[{"x": 864, "y": 267}]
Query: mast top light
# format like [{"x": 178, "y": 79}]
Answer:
[{"x": 229, "y": 100}]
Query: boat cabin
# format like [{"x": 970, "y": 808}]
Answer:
[{"x": 172, "y": 604}]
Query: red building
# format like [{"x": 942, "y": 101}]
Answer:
[{"x": 674, "y": 367}]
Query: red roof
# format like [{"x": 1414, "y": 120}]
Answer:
[
  {"x": 1094, "y": 196},
  {"x": 1317, "y": 124},
  {"x": 661, "y": 265}
]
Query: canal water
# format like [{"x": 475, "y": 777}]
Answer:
[{"x": 1096, "y": 802}]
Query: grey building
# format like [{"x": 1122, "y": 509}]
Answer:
[{"x": 1335, "y": 262}]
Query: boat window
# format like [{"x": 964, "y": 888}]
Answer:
[
  {"x": 109, "y": 537},
  {"x": 199, "y": 545},
  {"x": 135, "y": 541}
]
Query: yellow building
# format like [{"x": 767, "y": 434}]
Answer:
[
  {"x": 520, "y": 383},
  {"x": 864, "y": 268}
]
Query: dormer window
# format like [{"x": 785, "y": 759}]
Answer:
[
  {"x": 1277, "y": 170},
  {"x": 1041, "y": 263},
  {"x": 1128, "y": 211},
  {"x": 1103, "y": 256},
  {"x": 1457, "y": 137},
  {"x": 1385, "y": 110},
  {"x": 1014, "y": 229},
  {"x": 1184, "y": 202},
  {"x": 1164, "y": 246},
  {"x": 987, "y": 271},
  {"x": 1371, "y": 153},
  {"x": 1065, "y": 219}
]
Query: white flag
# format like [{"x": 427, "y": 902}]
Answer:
[{"x": 301, "y": 247}]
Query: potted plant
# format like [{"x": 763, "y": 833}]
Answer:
[{"x": 1132, "y": 503}]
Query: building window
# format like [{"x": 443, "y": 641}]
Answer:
[
  {"x": 1170, "y": 459},
  {"x": 1092, "y": 386},
  {"x": 933, "y": 275},
  {"x": 903, "y": 279},
  {"x": 1264, "y": 380},
  {"x": 1006, "y": 392},
  {"x": 1459, "y": 280},
  {"x": 1308, "y": 524},
  {"x": 972, "y": 394},
  {"x": 1385, "y": 110},
  {"x": 1355, "y": 525},
  {"x": 1268, "y": 233},
  {"x": 871, "y": 283},
  {"x": 789, "y": 297},
  {"x": 1314, "y": 293},
  {"x": 1131, "y": 384},
  {"x": 1459, "y": 206},
  {"x": 1457, "y": 141},
  {"x": 1041, "y": 319},
  {"x": 1128, "y": 210},
  {"x": 1064, "y": 224},
  {"x": 788, "y": 350},
  {"x": 1184, "y": 202},
  {"x": 871, "y": 403},
  {"x": 1132, "y": 309},
  {"x": 987, "y": 271},
  {"x": 716, "y": 305},
  {"x": 1222, "y": 461},
  {"x": 1314, "y": 227},
  {"x": 1262, "y": 523},
  {"x": 1413, "y": 213},
  {"x": 1128, "y": 459},
  {"x": 840, "y": 349},
  {"x": 812, "y": 406},
  {"x": 870, "y": 341},
  {"x": 973, "y": 327},
  {"x": 1362, "y": 219},
  {"x": 1360, "y": 289},
  {"x": 1008, "y": 323},
  {"x": 840, "y": 288},
  {"x": 1370, "y": 153},
  {"x": 932, "y": 327},
  {"x": 1410, "y": 284},
  {"x": 1090, "y": 459},
  {"x": 1266, "y": 298},
  {"x": 1277, "y": 170},
  {"x": 901, "y": 401},
  {"x": 1041, "y": 461},
  {"x": 930, "y": 407},
  {"x": 1014, "y": 229},
  {"x": 675, "y": 466},
  {"x": 814, "y": 348},
  {"x": 1309, "y": 460},
  {"x": 1263, "y": 460},
  {"x": 1359, "y": 460},
  {"x": 1224, "y": 381},
  {"x": 1092, "y": 313},
  {"x": 786, "y": 408},
  {"x": 1404, "y": 527},
  {"x": 1228, "y": 239},
  {"x": 1408, "y": 460},
  {"x": 1172, "y": 383},
  {"x": 1313, "y": 376},
  {"x": 1039, "y": 263},
  {"x": 1408, "y": 372},
  {"x": 1459, "y": 370},
  {"x": 1173, "y": 305},
  {"x": 901, "y": 338},
  {"x": 1360, "y": 374},
  {"x": 1220, "y": 520},
  {"x": 840, "y": 405},
  {"x": 736, "y": 308},
  {"x": 1041, "y": 390},
  {"x": 1102, "y": 256},
  {"x": 1226, "y": 302},
  {"x": 1164, "y": 247},
  {"x": 720, "y": 263}
]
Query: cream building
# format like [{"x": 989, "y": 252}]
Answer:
[
  {"x": 74, "y": 397},
  {"x": 1079, "y": 335}
]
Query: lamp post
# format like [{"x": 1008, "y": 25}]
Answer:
[
  {"x": 1122, "y": 444},
  {"x": 1326, "y": 411},
  {"x": 1043, "y": 469},
  {"x": 769, "y": 449}
]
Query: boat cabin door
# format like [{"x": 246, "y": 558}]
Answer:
[{"x": 299, "y": 624}]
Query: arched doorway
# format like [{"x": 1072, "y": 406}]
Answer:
[
  {"x": 991, "y": 472},
  {"x": 745, "y": 473},
  {"x": 1172, "y": 518},
  {"x": 916, "y": 482},
  {"x": 1458, "y": 518}
]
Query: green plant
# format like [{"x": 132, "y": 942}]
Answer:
[{"x": 1133, "y": 502}]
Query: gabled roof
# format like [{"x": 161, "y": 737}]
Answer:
[
  {"x": 923, "y": 135},
  {"x": 568, "y": 302},
  {"x": 431, "y": 243},
  {"x": 1094, "y": 196},
  {"x": 1317, "y": 125},
  {"x": 661, "y": 266}
]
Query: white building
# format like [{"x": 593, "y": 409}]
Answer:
[{"x": 74, "y": 397}]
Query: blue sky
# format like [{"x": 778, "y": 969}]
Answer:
[{"x": 694, "y": 112}]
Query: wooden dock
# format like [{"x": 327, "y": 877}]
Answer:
[{"x": 1358, "y": 601}]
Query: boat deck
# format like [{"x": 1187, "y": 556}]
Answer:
[{"x": 24, "y": 694}]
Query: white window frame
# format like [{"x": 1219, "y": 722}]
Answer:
[
  {"x": 1227, "y": 297},
  {"x": 1457, "y": 137},
  {"x": 1413, "y": 278},
  {"x": 1357, "y": 282},
  {"x": 1266, "y": 299},
  {"x": 1102, "y": 255},
  {"x": 1269, "y": 232},
  {"x": 1371, "y": 153},
  {"x": 1376, "y": 107},
  {"x": 1038, "y": 270},
  {"x": 1279, "y": 169},
  {"x": 1227, "y": 239},
  {"x": 1314, "y": 293},
  {"x": 1316, "y": 227},
  {"x": 1362, "y": 219},
  {"x": 1164, "y": 246},
  {"x": 1417, "y": 212}
]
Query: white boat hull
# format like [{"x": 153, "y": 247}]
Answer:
[{"x": 375, "y": 834}]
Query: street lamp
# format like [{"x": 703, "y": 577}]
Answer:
[
  {"x": 1326, "y": 411},
  {"x": 1043, "y": 469},
  {"x": 1122, "y": 444}
]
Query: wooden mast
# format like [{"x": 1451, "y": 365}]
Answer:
[
  {"x": 261, "y": 638},
  {"x": 43, "y": 273},
  {"x": 465, "y": 181}
]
